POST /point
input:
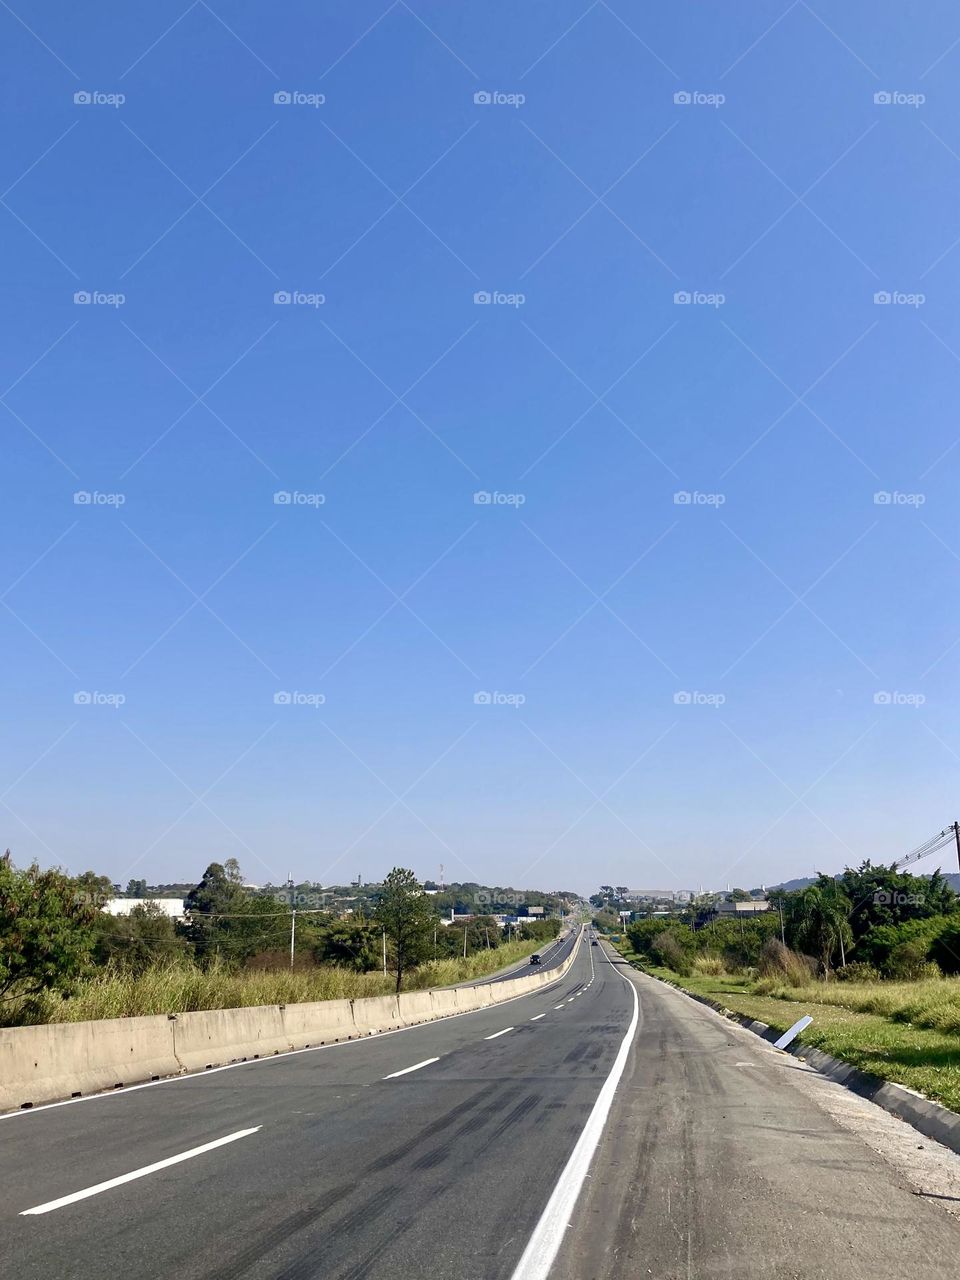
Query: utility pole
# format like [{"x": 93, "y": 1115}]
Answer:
[
  {"x": 293, "y": 932},
  {"x": 464, "y": 942},
  {"x": 783, "y": 935},
  {"x": 384, "y": 953},
  {"x": 956, "y": 836}
]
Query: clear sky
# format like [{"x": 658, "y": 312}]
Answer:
[{"x": 737, "y": 688}]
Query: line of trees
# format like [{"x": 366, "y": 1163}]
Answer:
[
  {"x": 869, "y": 922},
  {"x": 54, "y": 931}
]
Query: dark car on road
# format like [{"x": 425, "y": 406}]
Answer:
[
  {"x": 593, "y": 943},
  {"x": 534, "y": 959}
]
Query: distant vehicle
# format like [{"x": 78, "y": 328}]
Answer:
[
  {"x": 593, "y": 943},
  {"x": 534, "y": 959}
]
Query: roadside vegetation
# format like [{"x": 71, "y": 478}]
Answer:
[
  {"x": 873, "y": 957},
  {"x": 64, "y": 959}
]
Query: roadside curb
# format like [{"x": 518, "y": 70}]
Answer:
[{"x": 930, "y": 1118}]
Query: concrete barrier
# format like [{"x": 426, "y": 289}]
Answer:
[
  {"x": 219, "y": 1036},
  {"x": 44, "y": 1064},
  {"x": 377, "y": 1013},
  {"x": 318, "y": 1022},
  {"x": 38, "y": 1064},
  {"x": 416, "y": 1007}
]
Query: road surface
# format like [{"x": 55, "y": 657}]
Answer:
[
  {"x": 451, "y": 1150},
  {"x": 552, "y": 955}
]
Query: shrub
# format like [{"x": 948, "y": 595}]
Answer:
[
  {"x": 945, "y": 948},
  {"x": 857, "y": 971},
  {"x": 709, "y": 966},
  {"x": 781, "y": 964},
  {"x": 669, "y": 950},
  {"x": 908, "y": 962}
]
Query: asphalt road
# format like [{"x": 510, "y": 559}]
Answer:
[
  {"x": 330, "y": 1164},
  {"x": 552, "y": 955}
]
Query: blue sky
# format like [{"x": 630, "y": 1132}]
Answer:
[{"x": 736, "y": 688}]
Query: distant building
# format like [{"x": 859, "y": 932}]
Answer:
[
  {"x": 741, "y": 908},
  {"x": 658, "y": 895},
  {"x": 172, "y": 907}
]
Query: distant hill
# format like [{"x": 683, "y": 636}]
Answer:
[
  {"x": 788, "y": 885},
  {"x": 952, "y": 878}
]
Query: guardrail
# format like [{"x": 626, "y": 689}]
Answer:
[{"x": 71, "y": 1059}]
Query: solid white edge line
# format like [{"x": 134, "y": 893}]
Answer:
[
  {"x": 544, "y": 1245},
  {"x": 274, "y": 1057},
  {"x": 137, "y": 1173},
  {"x": 406, "y": 1070},
  {"x": 497, "y": 1034}
]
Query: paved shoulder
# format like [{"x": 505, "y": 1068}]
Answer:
[{"x": 715, "y": 1163}]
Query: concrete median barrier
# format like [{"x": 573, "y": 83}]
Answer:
[
  {"x": 219, "y": 1036},
  {"x": 58, "y": 1060},
  {"x": 319, "y": 1022},
  {"x": 377, "y": 1013},
  {"x": 416, "y": 1007}
]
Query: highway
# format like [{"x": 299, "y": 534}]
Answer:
[
  {"x": 457, "y": 1149},
  {"x": 552, "y": 955}
]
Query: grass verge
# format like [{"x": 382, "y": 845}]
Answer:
[{"x": 867, "y": 1025}]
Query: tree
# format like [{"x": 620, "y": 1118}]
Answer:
[
  {"x": 821, "y": 924},
  {"x": 136, "y": 941},
  {"x": 216, "y": 895},
  {"x": 407, "y": 915},
  {"x": 46, "y": 930},
  {"x": 136, "y": 888}
]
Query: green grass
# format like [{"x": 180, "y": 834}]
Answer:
[
  {"x": 183, "y": 988},
  {"x": 905, "y": 1031}
]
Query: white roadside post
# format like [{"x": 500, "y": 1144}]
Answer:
[{"x": 793, "y": 1032}]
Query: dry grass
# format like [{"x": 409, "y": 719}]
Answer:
[
  {"x": 932, "y": 1003},
  {"x": 182, "y": 988}
]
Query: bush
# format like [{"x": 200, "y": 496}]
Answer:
[
  {"x": 908, "y": 962},
  {"x": 857, "y": 971},
  {"x": 780, "y": 963},
  {"x": 945, "y": 948},
  {"x": 668, "y": 949},
  {"x": 709, "y": 966},
  {"x": 877, "y": 946}
]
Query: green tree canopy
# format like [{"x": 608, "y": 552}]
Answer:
[{"x": 407, "y": 915}]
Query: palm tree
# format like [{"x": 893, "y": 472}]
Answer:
[{"x": 822, "y": 923}]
